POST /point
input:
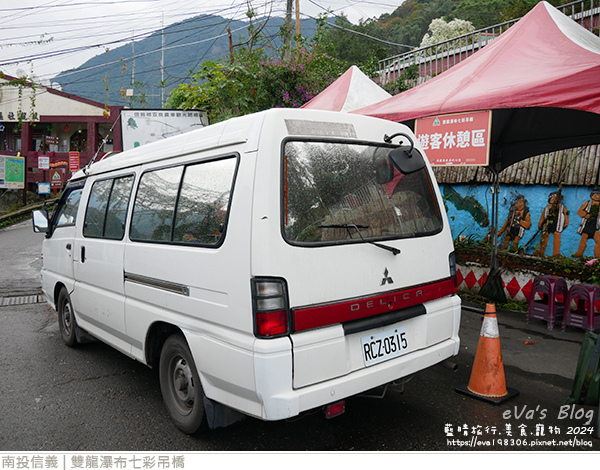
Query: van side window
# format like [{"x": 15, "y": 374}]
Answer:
[
  {"x": 155, "y": 205},
  {"x": 107, "y": 208},
  {"x": 203, "y": 202},
  {"x": 184, "y": 204},
  {"x": 114, "y": 227},
  {"x": 67, "y": 214}
]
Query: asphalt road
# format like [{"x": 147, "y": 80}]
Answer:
[
  {"x": 94, "y": 399},
  {"x": 20, "y": 260}
]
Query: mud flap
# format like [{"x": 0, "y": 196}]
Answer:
[
  {"x": 220, "y": 416},
  {"x": 83, "y": 336}
]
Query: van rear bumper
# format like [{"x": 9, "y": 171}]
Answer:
[
  {"x": 286, "y": 404},
  {"x": 368, "y": 378},
  {"x": 259, "y": 379}
]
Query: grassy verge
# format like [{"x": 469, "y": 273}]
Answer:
[
  {"x": 514, "y": 305},
  {"x": 14, "y": 219}
]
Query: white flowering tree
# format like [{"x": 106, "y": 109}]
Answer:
[{"x": 440, "y": 30}]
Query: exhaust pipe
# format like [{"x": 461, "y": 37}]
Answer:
[{"x": 453, "y": 366}]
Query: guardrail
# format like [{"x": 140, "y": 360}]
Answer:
[
  {"x": 24, "y": 211},
  {"x": 435, "y": 59}
]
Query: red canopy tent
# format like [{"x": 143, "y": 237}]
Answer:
[
  {"x": 350, "y": 91},
  {"x": 540, "y": 78}
]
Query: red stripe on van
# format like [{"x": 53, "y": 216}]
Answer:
[{"x": 330, "y": 314}]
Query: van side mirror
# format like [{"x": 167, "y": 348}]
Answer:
[
  {"x": 40, "y": 221},
  {"x": 406, "y": 159}
]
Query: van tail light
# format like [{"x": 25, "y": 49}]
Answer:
[
  {"x": 453, "y": 275},
  {"x": 270, "y": 305}
]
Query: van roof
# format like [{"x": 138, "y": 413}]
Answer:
[
  {"x": 215, "y": 135},
  {"x": 238, "y": 130}
]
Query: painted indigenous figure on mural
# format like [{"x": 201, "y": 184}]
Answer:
[
  {"x": 554, "y": 219},
  {"x": 590, "y": 222},
  {"x": 517, "y": 222}
]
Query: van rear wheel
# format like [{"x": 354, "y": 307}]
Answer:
[
  {"x": 180, "y": 385},
  {"x": 66, "y": 318}
]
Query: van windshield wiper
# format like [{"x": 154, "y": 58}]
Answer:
[{"x": 396, "y": 251}]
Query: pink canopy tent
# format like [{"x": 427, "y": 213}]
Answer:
[
  {"x": 351, "y": 91},
  {"x": 540, "y": 78}
]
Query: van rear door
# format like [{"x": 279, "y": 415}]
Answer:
[{"x": 366, "y": 255}]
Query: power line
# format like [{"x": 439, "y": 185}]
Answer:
[
  {"x": 122, "y": 38},
  {"x": 355, "y": 31},
  {"x": 125, "y": 38}
]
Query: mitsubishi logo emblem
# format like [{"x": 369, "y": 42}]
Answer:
[{"x": 386, "y": 278}]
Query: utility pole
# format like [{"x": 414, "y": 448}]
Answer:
[
  {"x": 230, "y": 44},
  {"x": 297, "y": 18},
  {"x": 162, "y": 62},
  {"x": 287, "y": 39},
  {"x": 133, "y": 57}
]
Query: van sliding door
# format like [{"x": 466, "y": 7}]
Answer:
[{"x": 99, "y": 292}]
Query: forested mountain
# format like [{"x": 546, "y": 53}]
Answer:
[
  {"x": 182, "y": 47},
  {"x": 185, "y": 45}
]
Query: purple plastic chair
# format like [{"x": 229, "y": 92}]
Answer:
[
  {"x": 585, "y": 315},
  {"x": 549, "y": 303}
]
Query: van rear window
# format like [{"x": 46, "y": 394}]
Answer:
[{"x": 335, "y": 192}]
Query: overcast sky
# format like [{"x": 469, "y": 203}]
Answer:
[{"x": 46, "y": 37}]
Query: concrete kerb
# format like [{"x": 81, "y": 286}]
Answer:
[
  {"x": 516, "y": 320},
  {"x": 26, "y": 210},
  {"x": 21, "y": 212}
]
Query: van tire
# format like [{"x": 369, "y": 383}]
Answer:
[
  {"x": 180, "y": 385},
  {"x": 66, "y": 319}
]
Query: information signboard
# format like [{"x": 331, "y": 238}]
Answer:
[
  {"x": 12, "y": 172},
  {"x": 456, "y": 139},
  {"x": 74, "y": 161},
  {"x": 43, "y": 162},
  {"x": 142, "y": 126}
]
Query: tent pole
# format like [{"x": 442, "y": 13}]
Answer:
[
  {"x": 495, "y": 190},
  {"x": 493, "y": 288}
]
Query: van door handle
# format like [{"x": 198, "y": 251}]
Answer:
[
  {"x": 68, "y": 247},
  {"x": 83, "y": 254}
]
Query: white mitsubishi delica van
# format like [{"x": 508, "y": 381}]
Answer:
[{"x": 268, "y": 265}]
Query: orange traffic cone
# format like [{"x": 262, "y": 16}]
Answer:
[{"x": 487, "y": 376}]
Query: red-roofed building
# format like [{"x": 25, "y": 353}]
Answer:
[{"x": 67, "y": 131}]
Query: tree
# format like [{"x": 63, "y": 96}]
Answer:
[
  {"x": 357, "y": 44},
  {"x": 517, "y": 8},
  {"x": 482, "y": 13},
  {"x": 408, "y": 79},
  {"x": 251, "y": 80},
  {"x": 440, "y": 30},
  {"x": 409, "y": 23}
]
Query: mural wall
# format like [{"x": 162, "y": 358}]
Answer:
[{"x": 537, "y": 220}]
